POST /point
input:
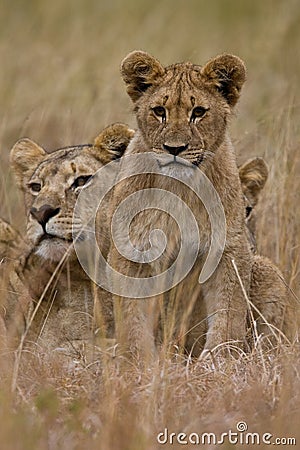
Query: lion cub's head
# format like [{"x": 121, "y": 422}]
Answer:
[
  {"x": 253, "y": 175},
  {"x": 183, "y": 109},
  {"x": 52, "y": 182}
]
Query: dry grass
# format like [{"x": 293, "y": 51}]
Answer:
[{"x": 59, "y": 85}]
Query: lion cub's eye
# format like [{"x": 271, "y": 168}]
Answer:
[
  {"x": 81, "y": 181},
  {"x": 35, "y": 187},
  {"x": 198, "y": 111},
  {"x": 248, "y": 211},
  {"x": 160, "y": 112}
]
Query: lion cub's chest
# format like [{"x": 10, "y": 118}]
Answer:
[{"x": 177, "y": 221}]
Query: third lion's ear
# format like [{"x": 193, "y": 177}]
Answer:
[
  {"x": 140, "y": 71},
  {"x": 228, "y": 74},
  {"x": 253, "y": 175}
]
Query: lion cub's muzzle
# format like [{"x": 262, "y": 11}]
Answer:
[{"x": 175, "y": 148}]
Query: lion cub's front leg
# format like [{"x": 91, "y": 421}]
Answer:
[
  {"x": 134, "y": 317},
  {"x": 226, "y": 305}
]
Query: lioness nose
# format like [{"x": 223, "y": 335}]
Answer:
[
  {"x": 44, "y": 213},
  {"x": 175, "y": 149}
]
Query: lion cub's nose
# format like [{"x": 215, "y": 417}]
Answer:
[
  {"x": 44, "y": 213},
  {"x": 175, "y": 148}
]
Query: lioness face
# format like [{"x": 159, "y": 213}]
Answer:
[
  {"x": 182, "y": 110},
  {"x": 51, "y": 195},
  {"x": 52, "y": 183}
]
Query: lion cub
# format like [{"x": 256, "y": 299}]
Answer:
[
  {"x": 268, "y": 291},
  {"x": 182, "y": 113},
  {"x": 10, "y": 240},
  {"x": 49, "y": 271}
]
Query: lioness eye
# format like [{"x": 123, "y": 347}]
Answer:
[
  {"x": 81, "y": 181},
  {"x": 198, "y": 111},
  {"x": 35, "y": 187},
  {"x": 159, "y": 111}
]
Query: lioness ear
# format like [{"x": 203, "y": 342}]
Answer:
[
  {"x": 140, "y": 71},
  {"x": 112, "y": 142},
  {"x": 228, "y": 74},
  {"x": 24, "y": 158},
  {"x": 253, "y": 175}
]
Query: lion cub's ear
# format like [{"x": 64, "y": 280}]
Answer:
[
  {"x": 140, "y": 71},
  {"x": 112, "y": 142},
  {"x": 253, "y": 175},
  {"x": 10, "y": 240},
  {"x": 228, "y": 74},
  {"x": 24, "y": 158}
]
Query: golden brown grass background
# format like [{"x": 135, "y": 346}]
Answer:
[{"x": 60, "y": 85}]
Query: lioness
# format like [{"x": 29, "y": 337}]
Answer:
[
  {"x": 49, "y": 268},
  {"x": 182, "y": 114}
]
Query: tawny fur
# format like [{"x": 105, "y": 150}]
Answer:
[
  {"x": 253, "y": 174},
  {"x": 10, "y": 240},
  {"x": 10, "y": 247},
  {"x": 276, "y": 319},
  {"x": 201, "y": 135},
  {"x": 268, "y": 291},
  {"x": 48, "y": 267}
]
